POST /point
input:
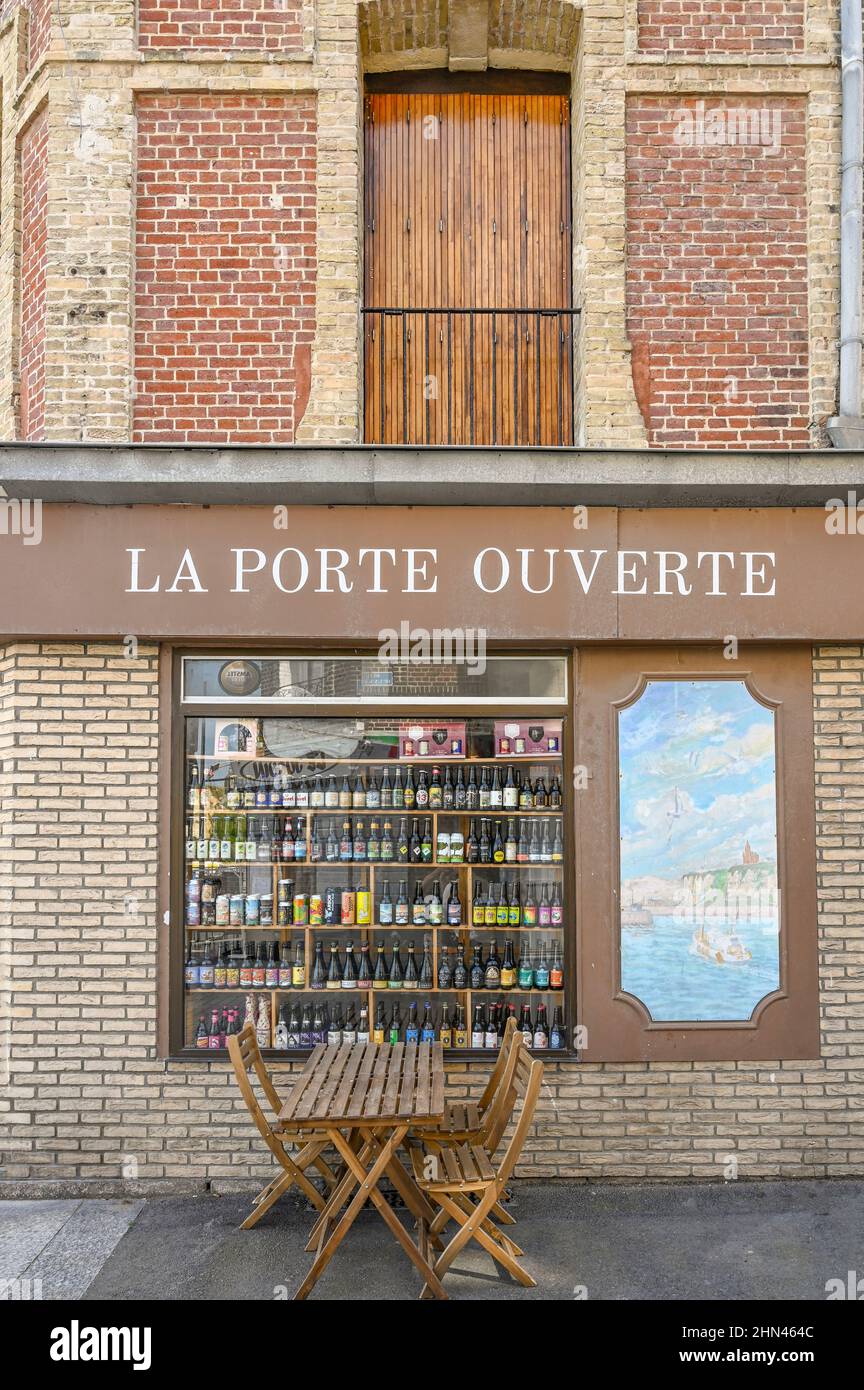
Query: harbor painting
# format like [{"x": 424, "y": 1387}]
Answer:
[{"x": 699, "y": 898}]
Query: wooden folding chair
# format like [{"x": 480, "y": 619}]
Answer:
[
  {"x": 246, "y": 1056},
  {"x": 485, "y": 1121},
  {"x": 462, "y": 1181}
]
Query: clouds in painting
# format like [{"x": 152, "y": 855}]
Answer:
[{"x": 696, "y": 778}]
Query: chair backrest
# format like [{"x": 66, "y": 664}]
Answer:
[
  {"x": 526, "y": 1081},
  {"x": 497, "y": 1117},
  {"x": 498, "y": 1070},
  {"x": 246, "y": 1056}
]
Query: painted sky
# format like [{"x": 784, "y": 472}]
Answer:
[{"x": 712, "y": 741}]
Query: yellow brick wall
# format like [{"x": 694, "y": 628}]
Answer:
[{"x": 85, "y": 1098}]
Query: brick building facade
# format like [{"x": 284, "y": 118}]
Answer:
[{"x": 181, "y": 249}]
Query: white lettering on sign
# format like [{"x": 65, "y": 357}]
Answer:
[{"x": 408, "y": 570}]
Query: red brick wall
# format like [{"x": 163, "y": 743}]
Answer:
[
  {"x": 225, "y": 267},
  {"x": 210, "y": 24},
  {"x": 721, "y": 26},
  {"x": 717, "y": 271},
  {"x": 34, "y": 168}
]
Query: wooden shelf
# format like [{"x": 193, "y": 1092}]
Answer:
[{"x": 451, "y": 760}]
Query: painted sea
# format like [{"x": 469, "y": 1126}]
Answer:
[{"x": 661, "y": 967}]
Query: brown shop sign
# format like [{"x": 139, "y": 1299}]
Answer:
[{"x": 320, "y": 574}]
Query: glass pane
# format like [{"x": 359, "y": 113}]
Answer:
[
  {"x": 699, "y": 893},
  {"x": 466, "y": 674},
  {"x": 351, "y": 876}
]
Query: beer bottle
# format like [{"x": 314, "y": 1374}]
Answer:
[
  {"x": 378, "y": 1030},
  {"x": 497, "y": 845},
  {"x": 541, "y": 1028},
  {"x": 289, "y": 792},
  {"x": 201, "y": 1035},
  {"x": 331, "y": 793},
  {"x": 496, "y": 791},
  {"x": 363, "y": 1025},
  {"x": 546, "y": 844},
  {"x": 556, "y": 970},
  {"x": 435, "y": 907},
  {"x": 286, "y": 968},
  {"x": 501, "y": 910},
  {"x": 215, "y": 840},
  {"x": 557, "y": 844},
  {"x": 492, "y": 974},
  {"x": 457, "y": 846},
  {"x": 247, "y": 966},
  {"x": 305, "y": 1038},
  {"x": 349, "y": 1028},
  {"x": 418, "y": 907},
  {"x": 526, "y": 967},
  {"x": 526, "y": 795},
  {"x": 448, "y": 793},
  {"x": 281, "y": 1039},
  {"x": 349, "y": 973},
  {"x": 387, "y": 846},
  {"x": 508, "y": 966},
  {"x": 394, "y": 979},
  {"x": 410, "y": 977},
  {"x": 334, "y": 1031},
  {"x": 232, "y": 968},
  {"x": 259, "y": 969},
  {"x": 412, "y": 1027},
  {"x": 302, "y": 797},
  {"x": 191, "y": 839},
  {"x": 427, "y": 978},
  {"x": 373, "y": 844},
  {"x": 415, "y": 846},
  {"x": 445, "y": 1033},
  {"x": 401, "y": 913},
  {"x": 556, "y": 1033},
  {"x": 409, "y": 795},
  {"x": 535, "y": 849},
  {"x": 346, "y": 843},
  {"x": 386, "y": 795},
  {"x": 395, "y": 1027},
  {"x": 316, "y": 795},
  {"x": 294, "y": 1026},
  {"x": 358, "y": 794},
  {"x": 510, "y": 796},
  {"x": 422, "y": 796},
  {"x": 271, "y": 974},
  {"x": 261, "y": 790},
  {"x": 472, "y": 844},
  {"x": 460, "y": 972},
  {"x": 472, "y": 793},
  {"x": 477, "y": 973},
  {"x": 529, "y": 908},
  {"x": 214, "y": 1040},
  {"x": 398, "y": 791},
  {"x": 436, "y": 792},
  {"x": 459, "y": 791},
  {"x": 426, "y": 843},
  {"x": 385, "y": 906},
  {"x": 442, "y": 851},
  {"x": 364, "y": 969},
  {"x": 544, "y": 907},
  {"x": 460, "y": 1032},
  {"x": 485, "y": 797},
  {"x": 514, "y": 910},
  {"x": 300, "y": 839},
  {"x": 510, "y": 845},
  {"x": 373, "y": 793},
  {"x": 382, "y": 974},
  {"x": 557, "y": 908},
  {"x": 427, "y": 1028},
  {"x": 319, "y": 970},
  {"x": 454, "y": 905},
  {"x": 554, "y": 799},
  {"x": 526, "y": 1027},
  {"x": 541, "y": 969},
  {"x": 445, "y": 970},
  {"x": 193, "y": 800},
  {"x": 478, "y": 907},
  {"x": 490, "y": 911},
  {"x": 334, "y": 971},
  {"x": 478, "y": 1027},
  {"x": 402, "y": 843},
  {"x": 298, "y": 967},
  {"x": 539, "y": 794},
  {"x": 490, "y": 1036},
  {"x": 274, "y": 791}
]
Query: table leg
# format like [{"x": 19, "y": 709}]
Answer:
[
  {"x": 368, "y": 1190},
  {"x": 341, "y": 1192}
]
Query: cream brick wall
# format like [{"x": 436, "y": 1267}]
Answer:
[
  {"x": 86, "y": 1098},
  {"x": 90, "y": 75}
]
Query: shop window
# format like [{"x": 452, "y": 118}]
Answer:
[
  {"x": 369, "y": 874},
  {"x": 696, "y": 855}
]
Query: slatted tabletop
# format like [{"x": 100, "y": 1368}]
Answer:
[{"x": 368, "y": 1085}]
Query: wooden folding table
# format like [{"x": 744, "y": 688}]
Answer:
[{"x": 364, "y": 1098}]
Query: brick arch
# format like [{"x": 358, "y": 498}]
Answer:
[{"x": 467, "y": 34}]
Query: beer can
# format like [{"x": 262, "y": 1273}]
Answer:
[
  {"x": 253, "y": 909},
  {"x": 316, "y": 910},
  {"x": 236, "y": 914},
  {"x": 348, "y": 907},
  {"x": 331, "y": 906},
  {"x": 208, "y": 914},
  {"x": 364, "y": 907},
  {"x": 223, "y": 910},
  {"x": 193, "y": 913},
  {"x": 285, "y": 890},
  {"x": 284, "y": 914},
  {"x": 300, "y": 910},
  {"x": 193, "y": 890},
  {"x": 266, "y": 914}
]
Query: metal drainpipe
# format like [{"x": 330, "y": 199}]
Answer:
[{"x": 847, "y": 431}]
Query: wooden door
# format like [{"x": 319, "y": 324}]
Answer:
[{"x": 468, "y": 329}]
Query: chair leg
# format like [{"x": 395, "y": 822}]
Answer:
[{"x": 471, "y": 1227}]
